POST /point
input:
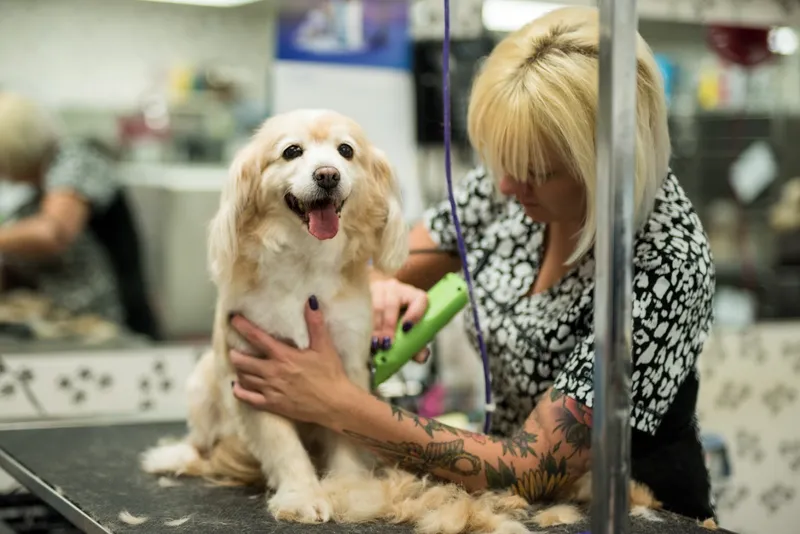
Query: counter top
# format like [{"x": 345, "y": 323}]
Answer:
[{"x": 90, "y": 474}]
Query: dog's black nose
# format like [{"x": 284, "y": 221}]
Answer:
[{"x": 327, "y": 178}]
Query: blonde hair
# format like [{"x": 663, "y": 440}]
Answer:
[
  {"x": 537, "y": 93},
  {"x": 28, "y": 135}
]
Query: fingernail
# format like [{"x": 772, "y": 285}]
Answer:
[
  {"x": 407, "y": 326},
  {"x": 427, "y": 356},
  {"x": 312, "y": 301},
  {"x": 387, "y": 342},
  {"x": 374, "y": 346}
]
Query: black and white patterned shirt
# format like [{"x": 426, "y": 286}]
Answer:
[
  {"x": 547, "y": 339},
  {"x": 81, "y": 280}
]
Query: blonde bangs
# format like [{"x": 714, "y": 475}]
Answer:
[{"x": 514, "y": 132}]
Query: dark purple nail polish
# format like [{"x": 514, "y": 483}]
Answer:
[
  {"x": 313, "y": 302},
  {"x": 407, "y": 326},
  {"x": 387, "y": 343},
  {"x": 374, "y": 346}
]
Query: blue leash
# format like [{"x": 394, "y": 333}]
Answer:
[{"x": 462, "y": 250}]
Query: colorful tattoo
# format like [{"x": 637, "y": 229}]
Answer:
[
  {"x": 540, "y": 483},
  {"x": 574, "y": 421},
  {"x": 548, "y": 466}
]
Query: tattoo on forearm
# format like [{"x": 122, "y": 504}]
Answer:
[
  {"x": 540, "y": 483},
  {"x": 447, "y": 452},
  {"x": 449, "y": 455},
  {"x": 574, "y": 421},
  {"x": 518, "y": 445},
  {"x": 553, "y": 471}
]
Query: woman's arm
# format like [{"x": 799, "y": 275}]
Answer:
[
  {"x": 426, "y": 263},
  {"x": 61, "y": 218},
  {"x": 311, "y": 385},
  {"x": 549, "y": 452}
]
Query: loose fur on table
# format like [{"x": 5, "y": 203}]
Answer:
[{"x": 308, "y": 203}]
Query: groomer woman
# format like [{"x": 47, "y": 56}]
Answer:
[
  {"x": 532, "y": 120},
  {"x": 49, "y": 246}
]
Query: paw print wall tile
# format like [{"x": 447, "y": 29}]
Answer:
[
  {"x": 778, "y": 496},
  {"x": 733, "y": 498},
  {"x": 748, "y": 446},
  {"x": 732, "y": 395},
  {"x": 780, "y": 397},
  {"x": 158, "y": 384},
  {"x": 790, "y": 452},
  {"x": 100, "y": 383},
  {"x": 751, "y": 398},
  {"x": 790, "y": 352},
  {"x": 16, "y": 399}
]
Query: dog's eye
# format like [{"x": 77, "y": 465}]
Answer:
[
  {"x": 292, "y": 152},
  {"x": 346, "y": 151}
]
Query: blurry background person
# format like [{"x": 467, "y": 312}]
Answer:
[{"x": 73, "y": 241}]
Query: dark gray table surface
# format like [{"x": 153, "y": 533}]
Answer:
[{"x": 90, "y": 474}]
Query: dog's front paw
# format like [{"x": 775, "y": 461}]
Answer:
[
  {"x": 172, "y": 458},
  {"x": 302, "y": 506}
]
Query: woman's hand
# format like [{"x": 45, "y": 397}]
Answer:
[
  {"x": 302, "y": 385},
  {"x": 389, "y": 298}
]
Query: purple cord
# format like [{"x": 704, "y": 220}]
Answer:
[{"x": 487, "y": 381}]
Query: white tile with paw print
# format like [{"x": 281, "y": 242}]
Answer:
[{"x": 146, "y": 381}]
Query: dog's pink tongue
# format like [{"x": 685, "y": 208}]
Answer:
[{"x": 323, "y": 223}]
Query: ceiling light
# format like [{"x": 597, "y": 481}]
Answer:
[
  {"x": 208, "y": 3},
  {"x": 783, "y": 41},
  {"x": 510, "y": 15}
]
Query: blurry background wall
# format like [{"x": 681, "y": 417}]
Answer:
[{"x": 130, "y": 70}]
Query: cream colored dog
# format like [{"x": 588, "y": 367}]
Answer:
[{"x": 308, "y": 203}]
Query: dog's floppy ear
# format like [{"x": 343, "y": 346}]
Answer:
[
  {"x": 223, "y": 234},
  {"x": 392, "y": 249}
]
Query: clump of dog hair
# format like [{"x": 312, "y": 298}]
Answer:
[{"x": 130, "y": 519}]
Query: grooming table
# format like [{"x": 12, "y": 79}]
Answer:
[{"x": 88, "y": 472}]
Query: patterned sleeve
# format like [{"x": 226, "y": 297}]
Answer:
[
  {"x": 85, "y": 171},
  {"x": 672, "y": 315},
  {"x": 476, "y": 203}
]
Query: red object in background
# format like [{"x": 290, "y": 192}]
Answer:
[
  {"x": 135, "y": 127},
  {"x": 740, "y": 45}
]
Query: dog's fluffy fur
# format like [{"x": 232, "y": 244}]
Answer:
[{"x": 265, "y": 263}]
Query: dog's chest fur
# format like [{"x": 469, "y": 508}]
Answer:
[{"x": 287, "y": 279}]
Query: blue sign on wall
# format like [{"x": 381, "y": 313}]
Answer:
[{"x": 348, "y": 32}]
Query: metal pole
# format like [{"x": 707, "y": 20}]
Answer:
[{"x": 616, "y": 138}]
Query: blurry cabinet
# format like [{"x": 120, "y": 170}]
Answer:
[{"x": 173, "y": 207}]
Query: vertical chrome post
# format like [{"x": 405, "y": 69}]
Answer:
[{"x": 616, "y": 138}]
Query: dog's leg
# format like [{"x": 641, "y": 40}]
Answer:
[
  {"x": 205, "y": 421},
  {"x": 205, "y": 426},
  {"x": 287, "y": 467}
]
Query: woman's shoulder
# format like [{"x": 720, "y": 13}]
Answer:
[
  {"x": 673, "y": 236},
  {"x": 83, "y": 167}
]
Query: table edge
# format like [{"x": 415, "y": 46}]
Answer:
[
  {"x": 89, "y": 421},
  {"x": 49, "y": 495}
]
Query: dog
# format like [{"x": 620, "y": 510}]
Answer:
[{"x": 308, "y": 204}]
